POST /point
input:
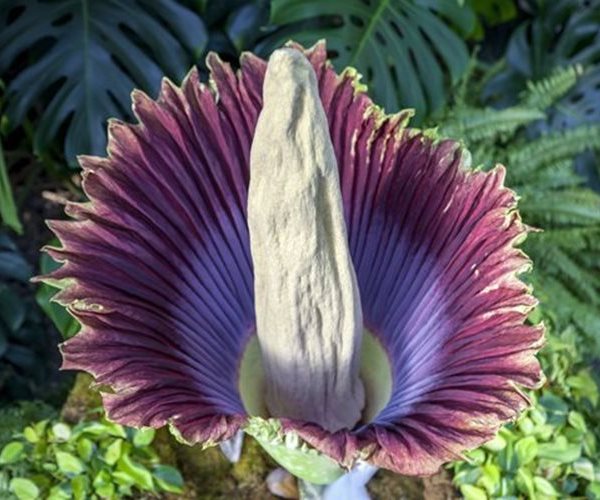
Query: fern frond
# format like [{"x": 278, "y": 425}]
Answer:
[
  {"x": 556, "y": 175},
  {"x": 572, "y": 239},
  {"x": 559, "y": 263},
  {"x": 546, "y": 92},
  {"x": 561, "y": 208},
  {"x": 564, "y": 308},
  {"x": 472, "y": 124},
  {"x": 555, "y": 147}
]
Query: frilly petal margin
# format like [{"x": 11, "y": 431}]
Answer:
[{"x": 157, "y": 269}]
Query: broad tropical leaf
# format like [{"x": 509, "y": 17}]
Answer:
[
  {"x": 89, "y": 55},
  {"x": 404, "y": 49},
  {"x": 562, "y": 33}
]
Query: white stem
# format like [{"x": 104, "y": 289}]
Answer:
[{"x": 308, "y": 314}]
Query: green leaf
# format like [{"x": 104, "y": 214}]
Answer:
[
  {"x": 30, "y": 434},
  {"x": 560, "y": 450},
  {"x": 584, "y": 468},
  {"x": 104, "y": 428},
  {"x": 524, "y": 482},
  {"x": 526, "y": 426},
  {"x": 544, "y": 93},
  {"x": 103, "y": 485},
  {"x": 556, "y": 408},
  {"x": 138, "y": 473},
  {"x": 143, "y": 437},
  {"x": 577, "y": 421},
  {"x": 106, "y": 490},
  {"x": 24, "y": 489},
  {"x": 8, "y": 209},
  {"x": 526, "y": 449},
  {"x": 593, "y": 490},
  {"x": 85, "y": 448},
  {"x": 544, "y": 487},
  {"x": 404, "y": 50},
  {"x": 470, "y": 492},
  {"x": 11, "y": 453},
  {"x": 490, "y": 478},
  {"x": 495, "y": 11},
  {"x": 168, "y": 479},
  {"x": 68, "y": 463},
  {"x": 496, "y": 444},
  {"x": 113, "y": 452},
  {"x": 487, "y": 124},
  {"x": 60, "y": 492},
  {"x": 66, "y": 324},
  {"x": 584, "y": 385},
  {"x": 80, "y": 486},
  {"x": 12, "y": 309},
  {"x": 61, "y": 432},
  {"x": 12, "y": 263},
  {"x": 93, "y": 53}
]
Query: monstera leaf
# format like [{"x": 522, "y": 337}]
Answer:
[
  {"x": 87, "y": 57},
  {"x": 405, "y": 50}
]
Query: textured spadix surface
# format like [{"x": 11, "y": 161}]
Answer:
[
  {"x": 308, "y": 313},
  {"x": 157, "y": 268}
]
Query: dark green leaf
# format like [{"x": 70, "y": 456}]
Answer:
[
  {"x": 408, "y": 54},
  {"x": 168, "y": 479},
  {"x": 8, "y": 209},
  {"x": 93, "y": 54},
  {"x": 12, "y": 264},
  {"x": 66, "y": 324}
]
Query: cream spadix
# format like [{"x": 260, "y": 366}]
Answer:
[{"x": 308, "y": 313}]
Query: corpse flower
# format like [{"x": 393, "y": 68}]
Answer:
[{"x": 274, "y": 253}]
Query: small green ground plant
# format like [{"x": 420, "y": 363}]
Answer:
[
  {"x": 552, "y": 450},
  {"x": 53, "y": 460}
]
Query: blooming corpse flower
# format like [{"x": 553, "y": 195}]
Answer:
[{"x": 158, "y": 269}]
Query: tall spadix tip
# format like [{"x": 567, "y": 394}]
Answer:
[{"x": 308, "y": 313}]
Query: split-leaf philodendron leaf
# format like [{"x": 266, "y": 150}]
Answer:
[
  {"x": 404, "y": 48},
  {"x": 88, "y": 57}
]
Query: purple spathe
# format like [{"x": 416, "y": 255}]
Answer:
[{"x": 157, "y": 269}]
